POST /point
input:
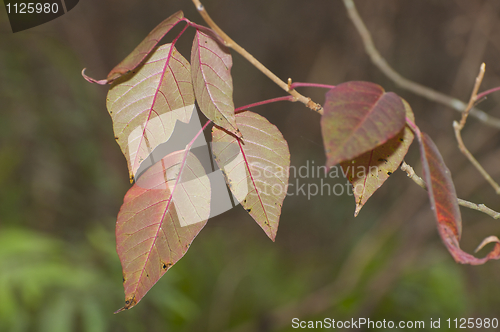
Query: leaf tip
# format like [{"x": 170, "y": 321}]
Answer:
[
  {"x": 486, "y": 241},
  {"x": 91, "y": 80},
  {"x": 358, "y": 208},
  {"x": 128, "y": 304},
  {"x": 272, "y": 236}
]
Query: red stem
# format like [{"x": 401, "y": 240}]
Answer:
[
  {"x": 313, "y": 85},
  {"x": 413, "y": 127},
  {"x": 180, "y": 33},
  {"x": 269, "y": 101},
  {"x": 487, "y": 92}
]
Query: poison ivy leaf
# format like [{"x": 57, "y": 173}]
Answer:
[
  {"x": 160, "y": 216},
  {"x": 359, "y": 116},
  {"x": 256, "y": 169},
  {"x": 140, "y": 53},
  {"x": 369, "y": 171},
  {"x": 445, "y": 204},
  {"x": 144, "y": 107},
  {"x": 212, "y": 82}
]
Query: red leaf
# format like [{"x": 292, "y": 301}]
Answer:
[
  {"x": 140, "y": 53},
  {"x": 146, "y": 106},
  {"x": 445, "y": 204},
  {"x": 212, "y": 82},
  {"x": 370, "y": 170},
  {"x": 358, "y": 117},
  {"x": 160, "y": 216},
  {"x": 256, "y": 169}
]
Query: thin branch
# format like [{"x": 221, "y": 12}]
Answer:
[
  {"x": 478, "y": 207},
  {"x": 458, "y": 132},
  {"x": 232, "y": 44},
  {"x": 473, "y": 96},
  {"x": 405, "y": 83}
]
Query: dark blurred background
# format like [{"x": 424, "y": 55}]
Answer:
[{"x": 63, "y": 177}]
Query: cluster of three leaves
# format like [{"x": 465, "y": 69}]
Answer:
[{"x": 170, "y": 203}]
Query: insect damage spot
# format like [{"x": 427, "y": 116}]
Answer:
[
  {"x": 389, "y": 173},
  {"x": 166, "y": 266},
  {"x": 248, "y": 210}
]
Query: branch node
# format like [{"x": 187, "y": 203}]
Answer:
[{"x": 478, "y": 207}]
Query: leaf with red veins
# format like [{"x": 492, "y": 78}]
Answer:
[
  {"x": 445, "y": 204},
  {"x": 359, "y": 116},
  {"x": 161, "y": 215},
  {"x": 213, "y": 85},
  {"x": 146, "y": 106},
  {"x": 134, "y": 59},
  {"x": 370, "y": 170},
  {"x": 256, "y": 169}
]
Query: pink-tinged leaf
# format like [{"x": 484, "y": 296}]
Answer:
[
  {"x": 445, "y": 204},
  {"x": 359, "y": 116},
  {"x": 145, "y": 107},
  {"x": 160, "y": 216},
  {"x": 213, "y": 85},
  {"x": 369, "y": 171},
  {"x": 140, "y": 53},
  {"x": 256, "y": 169}
]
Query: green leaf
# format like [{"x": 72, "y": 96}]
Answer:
[
  {"x": 369, "y": 171},
  {"x": 160, "y": 216},
  {"x": 212, "y": 81},
  {"x": 359, "y": 116},
  {"x": 140, "y": 53},
  {"x": 145, "y": 107},
  {"x": 256, "y": 168}
]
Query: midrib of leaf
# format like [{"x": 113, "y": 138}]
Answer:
[
  {"x": 157, "y": 90},
  {"x": 268, "y": 224},
  {"x": 203, "y": 64},
  {"x": 165, "y": 212},
  {"x": 364, "y": 120}
]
